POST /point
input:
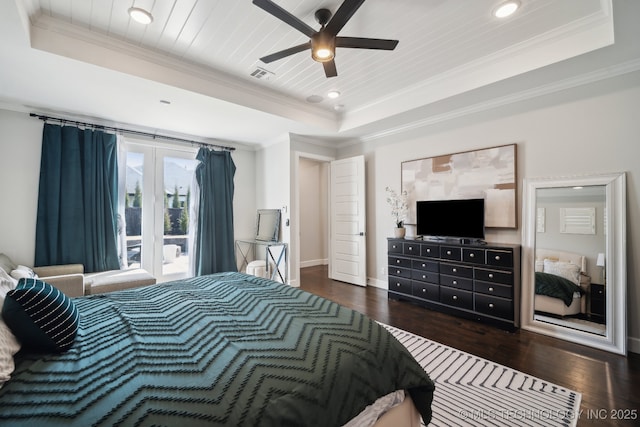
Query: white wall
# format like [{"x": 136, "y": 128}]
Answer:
[
  {"x": 273, "y": 187},
  {"x": 20, "y": 144},
  {"x": 588, "y": 129}
]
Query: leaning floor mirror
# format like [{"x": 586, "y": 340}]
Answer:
[{"x": 574, "y": 264}]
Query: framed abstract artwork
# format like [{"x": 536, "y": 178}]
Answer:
[{"x": 488, "y": 173}]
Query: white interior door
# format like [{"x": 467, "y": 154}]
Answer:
[{"x": 348, "y": 252}]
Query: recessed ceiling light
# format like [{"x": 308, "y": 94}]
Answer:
[
  {"x": 140, "y": 15},
  {"x": 333, "y": 94},
  {"x": 506, "y": 9}
]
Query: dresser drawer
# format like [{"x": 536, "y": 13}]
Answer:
[
  {"x": 426, "y": 291},
  {"x": 418, "y": 264},
  {"x": 429, "y": 250},
  {"x": 494, "y": 306},
  {"x": 399, "y": 271},
  {"x": 488, "y": 288},
  {"x": 411, "y": 249},
  {"x": 395, "y": 261},
  {"x": 456, "y": 270},
  {"x": 398, "y": 284},
  {"x": 475, "y": 256},
  {"x": 425, "y": 276},
  {"x": 456, "y": 282},
  {"x": 495, "y": 276},
  {"x": 499, "y": 258},
  {"x": 451, "y": 253},
  {"x": 456, "y": 297},
  {"x": 394, "y": 247}
]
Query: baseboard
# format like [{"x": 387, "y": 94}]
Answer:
[
  {"x": 376, "y": 283},
  {"x": 313, "y": 263},
  {"x": 633, "y": 345}
]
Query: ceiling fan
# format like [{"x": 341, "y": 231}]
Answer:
[{"x": 323, "y": 42}]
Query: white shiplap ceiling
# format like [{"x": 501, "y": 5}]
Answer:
[{"x": 87, "y": 58}]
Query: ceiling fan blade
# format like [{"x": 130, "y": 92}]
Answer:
[
  {"x": 366, "y": 43},
  {"x": 286, "y": 52},
  {"x": 342, "y": 16},
  {"x": 330, "y": 68},
  {"x": 284, "y": 16}
]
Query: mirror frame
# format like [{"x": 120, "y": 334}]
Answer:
[
  {"x": 272, "y": 234},
  {"x": 615, "y": 337}
]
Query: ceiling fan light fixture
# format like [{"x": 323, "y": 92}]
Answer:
[
  {"x": 323, "y": 48},
  {"x": 333, "y": 94},
  {"x": 506, "y": 9},
  {"x": 140, "y": 15}
]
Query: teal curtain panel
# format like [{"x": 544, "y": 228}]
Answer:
[
  {"x": 214, "y": 240},
  {"x": 77, "y": 200}
]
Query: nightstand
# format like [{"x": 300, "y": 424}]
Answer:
[{"x": 597, "y": 306}]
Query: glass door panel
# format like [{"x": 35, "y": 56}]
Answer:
[
  {"x": 157, "y": 182},
  {"x": 177, "y": 178}
]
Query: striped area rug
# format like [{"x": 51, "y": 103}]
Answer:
[{"x": 471, "y": 391}]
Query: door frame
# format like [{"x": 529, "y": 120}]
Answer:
[
  {"x": 152, "y": 194},
  {"x": 294, "y": 246}
]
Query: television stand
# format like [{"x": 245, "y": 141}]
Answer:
[{"x": 478, "y": 281}]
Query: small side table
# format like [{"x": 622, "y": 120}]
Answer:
[
  {"x": 598, "y": 303},
  {"x": 275, "y": 255}
]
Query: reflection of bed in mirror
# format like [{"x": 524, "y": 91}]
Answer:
[{"x": 561, "y": 284}]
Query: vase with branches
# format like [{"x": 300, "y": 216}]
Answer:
[{"x": 399, "y": 209}]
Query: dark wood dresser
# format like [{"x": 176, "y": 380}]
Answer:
[{"x": 475, "y": 281}]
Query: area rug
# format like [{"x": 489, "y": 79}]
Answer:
[{"x": 471, "y": 391}]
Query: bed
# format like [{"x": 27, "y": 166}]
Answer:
[
  {"x": 561, "y": 282},
  {"x": 226, "y": 349}
]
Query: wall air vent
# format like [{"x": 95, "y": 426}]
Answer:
[{"x": 262, "y": 74}]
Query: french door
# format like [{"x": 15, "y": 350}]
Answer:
[{"x": 158, "y": 190}]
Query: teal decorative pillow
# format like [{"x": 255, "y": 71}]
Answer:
[{"x": 40, "y": 316}]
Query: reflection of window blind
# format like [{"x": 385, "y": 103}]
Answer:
[{"x": 578, "y": 220}]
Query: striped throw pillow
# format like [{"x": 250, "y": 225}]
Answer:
[{"x": 41, "y": 316}]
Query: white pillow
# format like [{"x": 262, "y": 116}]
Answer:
[
  {"x": 9, "y": 345},
  {"x": 6, "y": 284},
  {"x": 23, "y": 272},
  {"x": 567, "y": 270}
]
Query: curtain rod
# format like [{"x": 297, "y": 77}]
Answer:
[{"x": 130, "y": 131}]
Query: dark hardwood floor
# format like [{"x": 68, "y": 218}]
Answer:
[{"x": 610, "y": 384}]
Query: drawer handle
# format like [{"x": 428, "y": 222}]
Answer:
[
  {"x": 410, "y": 248},
  {"x": 424, "y": 291},
  {"x": 397, "y": 271},
  {"x": 455, "y": 297},
  {"x": 424, "y": 265},
  {"x": 448, "y": 252},
  {"x": 497, "y": 257},
  {"x": 490, "y": 275},
  {"x": 490, "y": 305},
  {"x": 455, "y": 282},
  {"x": 397, "y": 261},
  {"x": 490, "y": 289},
  {"x": 472, "y": 255},
  {"x": 455, "y": 270},
  {"x": 398, "y": 284},
  {"x": 394, "y": 246},
  {"x": 428, "y": 251},
  {"x": 424, "y": 276}
]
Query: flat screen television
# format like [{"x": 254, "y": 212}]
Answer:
[{"x": 450, "y": 218}]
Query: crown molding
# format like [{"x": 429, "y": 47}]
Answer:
[{"x": 547, "y": 89}]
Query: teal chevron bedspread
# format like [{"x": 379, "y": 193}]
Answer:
[{"x": 226, "y": 349}]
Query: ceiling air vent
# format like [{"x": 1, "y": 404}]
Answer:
[{"x": 262, "y": 74}]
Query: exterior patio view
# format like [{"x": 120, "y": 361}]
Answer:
[{"x": 178, "y": 175}]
